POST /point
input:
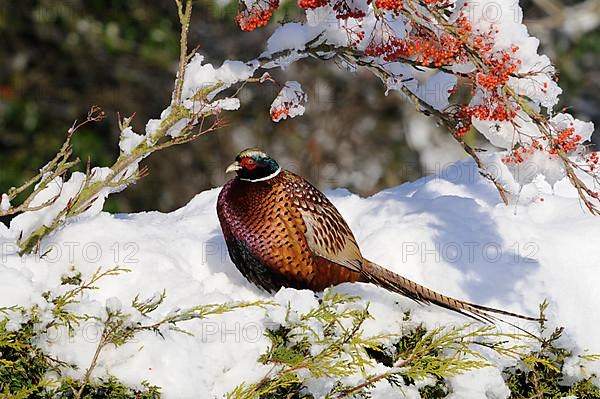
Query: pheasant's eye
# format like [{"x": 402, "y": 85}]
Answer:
[{"x": 248, "y": 163}]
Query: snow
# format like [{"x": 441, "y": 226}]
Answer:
[
  {"x": 152, "y": 126},
  {"x": 435, "y": 91},
  {"x": 450, "y": 232},
  {"x": 288, "y": 102},
  {"x": 505, "y": 17},
  {"x": 58, "y": 194},
  {"x": 4, "y": 202},
  {"x": 175, "y": 130},
  {"x": 200, "y": 75},
  {"x": 129, "y": 140},
  {"x": 202, "y": 82},
  {"x": 563, "y": 121},
  {"x": 292, "y": 36},
  {"x": 493, "y": 386},
  {"x": 500, "y": 21},
  {"x": 287, "y": 41},
  {"x": 505, "y": 134}
]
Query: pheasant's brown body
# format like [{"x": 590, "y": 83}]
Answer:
[
  {"x": 283, "y": 232},
  {"x": 265, "y": 220}
]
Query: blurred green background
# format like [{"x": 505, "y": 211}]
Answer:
[{"x": 58, "y": 58}]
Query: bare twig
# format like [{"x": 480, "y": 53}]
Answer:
[
  {"x": 57, "y": 167},
  {"x": 94, "y": 187},
  {"x": 185, "y": 14},
  {"x": 88, "y": 372}
]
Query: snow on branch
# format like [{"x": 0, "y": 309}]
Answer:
[
  {"x": 194, "y": 111},
  {"x": 473, "y": 66},
  {"x": 288, "y": 102},
  {"x": 469, "y": 67}
]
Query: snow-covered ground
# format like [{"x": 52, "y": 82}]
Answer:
[{"x": 450, "y": 232}]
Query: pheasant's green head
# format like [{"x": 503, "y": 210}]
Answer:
[{"x": 254, "y": 165}]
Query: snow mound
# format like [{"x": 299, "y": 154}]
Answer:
[{"x": 450, "y": 233}]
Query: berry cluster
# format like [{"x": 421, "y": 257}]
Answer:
[
  {"x": 276, "y": 114},
  {"x": 421, "y": 46},
  {"x": 311, "y": 4},
  {"x": 500, "y": 67},
  {"x": 463, "y": 116},
  {"x": 390, "y": 5},
  {"x": 344, "y": 11},
  {"x": 515, "y": 156},
  {"x": 494, "y": 110},
  {"x": 565, "y": 141},
  {"x": 521, "y": 152},
  {"x": 257, "y": 16},
  {"x": 462, "y": 128},
  {"x": 355, "y": 34},
  {"x": 438, "y": 3},
  {"x": 592, "y": 161},
  {"x": 397, "y": 5}
]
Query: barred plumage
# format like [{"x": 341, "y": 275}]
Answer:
[{"x": 281, "y": 231}]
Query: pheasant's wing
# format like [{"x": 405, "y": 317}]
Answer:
[
  {"x": 282, "y": 244},
  {"x": 265, "y": 236},
  {"x": 327, "y": 233}
]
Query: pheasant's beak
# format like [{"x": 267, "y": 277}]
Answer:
[{"x": 234, "y": 167}]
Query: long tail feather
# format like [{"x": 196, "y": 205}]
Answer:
[{"x": 391, "y": 281}]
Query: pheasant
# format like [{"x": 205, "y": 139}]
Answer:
[{"x": 281, "y": 231}]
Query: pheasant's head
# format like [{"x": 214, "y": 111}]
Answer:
[{"x": 254, "y": 165}]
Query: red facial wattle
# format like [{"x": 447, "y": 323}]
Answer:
[{"x": 248, "y": 163}]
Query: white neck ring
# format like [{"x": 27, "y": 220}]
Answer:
[{"x": 272, "y": 175}]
